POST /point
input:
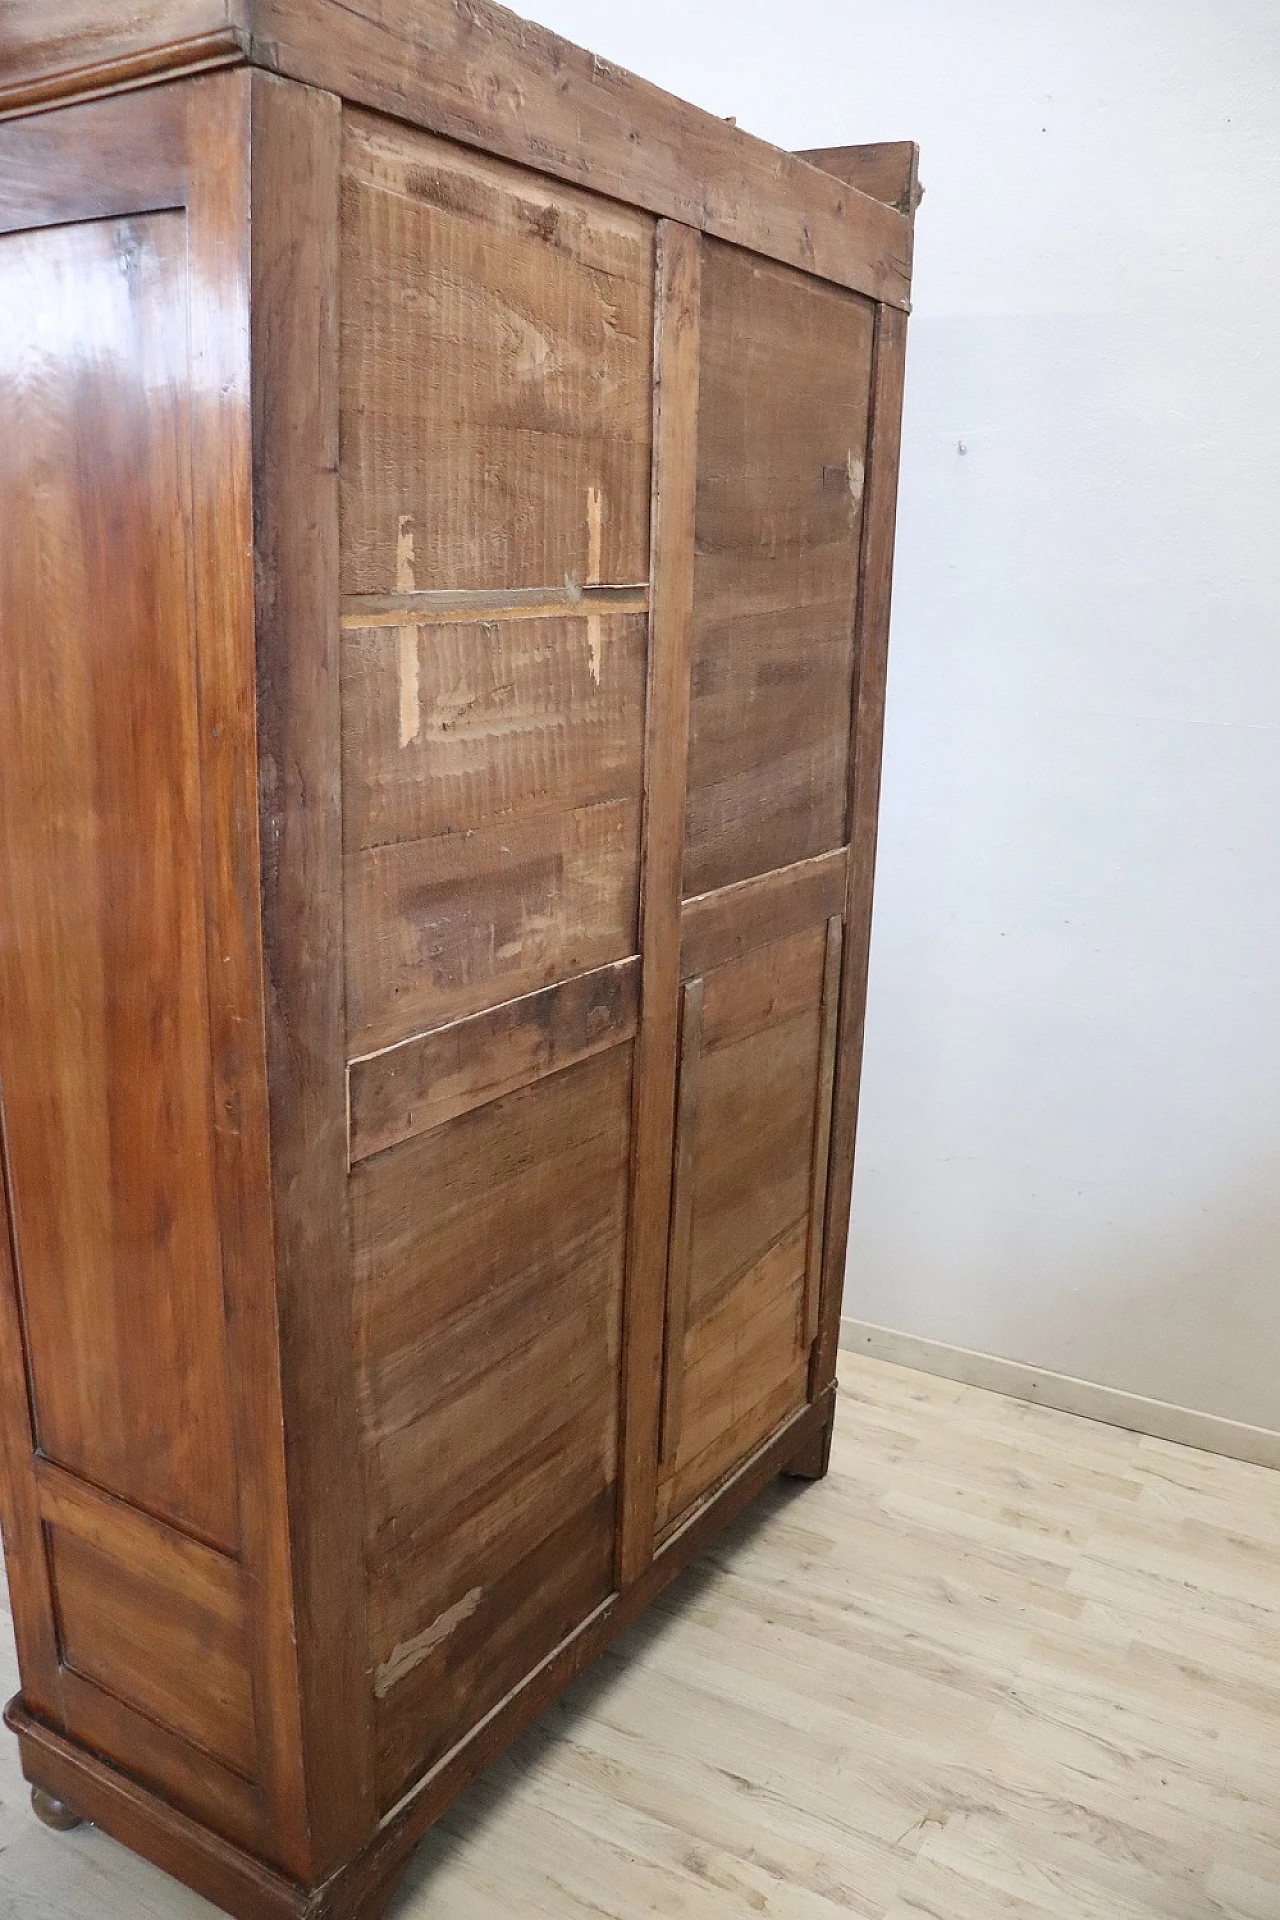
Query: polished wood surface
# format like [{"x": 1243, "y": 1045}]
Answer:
[
  {"x": 1003, "y": 1662},
  {"x": 104, "y": 1047},
  {"x": 445, "y": 664}
]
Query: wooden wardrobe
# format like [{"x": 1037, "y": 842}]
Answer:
[{"x": 447, "y": 492}]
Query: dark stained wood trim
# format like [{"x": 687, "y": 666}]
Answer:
[
  {"x": 30, "y": 1588},
  {"x": 225, "y": 1802},
  {"x": 356, "y": 1894},
  {"x": 681, "y": 1243},
  {"x": 675, "y": 453},
  {"x": 137, "y": 1540},
  {"x": 296, "y": 157},
  {"x": 218, "y": 240},
  {"x": 223, "y": 1873},
  {"x": 487, "y": 78},
  {"x": 718, "y": 927},
  {"x": 420, "y": 1083},
  {"x": 822, "y": 1127},
  {"x": 143, "y": 66},
  {"x": 888, "y": 170},
  {"x": 875, "y": 585}
]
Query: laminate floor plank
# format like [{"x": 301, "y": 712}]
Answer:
[{"x": 1002, "y": 1664}]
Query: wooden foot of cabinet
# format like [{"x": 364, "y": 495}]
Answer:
[
  {"x": 814, "y": 1457},
  {"x": 52, "y": 1812}
]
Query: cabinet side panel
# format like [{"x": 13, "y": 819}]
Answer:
[{"x": 105, "y": 1047}]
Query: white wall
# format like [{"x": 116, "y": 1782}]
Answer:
[{"x": 1070, "y": 1142}]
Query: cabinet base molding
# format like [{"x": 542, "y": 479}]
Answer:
[
  {"x": 89, "y": 1789},
  {"x": 1184, "y": 1426}
]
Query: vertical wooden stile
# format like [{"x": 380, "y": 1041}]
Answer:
[
  {"x": 297, "y": 133},
  {"x": 675, "y": 376},
  {"x": 681, "y": 1245},
  {"x": 822, "y": 1127},
  {"x": 874, "y": 586}
]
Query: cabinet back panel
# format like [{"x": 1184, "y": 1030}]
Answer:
[
  {"x": 784, "y": 390},
  {"x": 488, "y": 1263},
  {"x": 496, "y": 351},
  {"x": 104, "y": 1044}
]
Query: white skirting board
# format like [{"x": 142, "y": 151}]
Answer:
[{"x": 1208, "y": 1431}]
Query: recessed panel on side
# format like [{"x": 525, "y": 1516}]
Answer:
[
  {"x": 489, "y": 1258},
  {"x": 104, "y": 1041},
  {"x": 738, "y": 1258},
  {"x": 784, "y": 389}
]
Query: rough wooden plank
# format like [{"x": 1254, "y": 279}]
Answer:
[
  {"x": 887, "y": 170},
  {"x": 488, "y": 1334},
  {"x": 295, "y": 415},
  {"x": 441, "y": 928},
  {"x": 782, "y": 428},
  {"x": 451, "y": 728},
  {"x": 680, "y": 1247},
  {"x": 864, "y": 761},
  {"x": 516, "y": 603},
  {"x": 822, "y": 1127},
  {"x": 716, "y": 928},
  {"x": 676, "y": 356},
  {"x": 435, "y": 1077},
  {"x": 496, "y": 371},
  {"x": 481, "y": 75},
  {"x": 743, "y": 1376}
]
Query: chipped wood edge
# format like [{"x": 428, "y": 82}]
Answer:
[{"x": 1088, "y": 1399}]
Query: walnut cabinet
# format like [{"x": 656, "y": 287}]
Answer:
[{"x": 447, "y": 491}]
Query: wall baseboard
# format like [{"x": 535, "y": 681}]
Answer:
[{"x": 1210, "y": 1432}]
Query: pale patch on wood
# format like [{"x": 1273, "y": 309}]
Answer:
[
  {"x": 857, "y": 475},
  {"x": 411, "y": 1653},
  {"x": 406, "y": 582},
  {"x": 595, "y": 553}
]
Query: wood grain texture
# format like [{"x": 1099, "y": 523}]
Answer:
[
  {"x": 295, "y": 415},
  {"x": 888, "y": 170},
  {"x": 874, "y": 591},
  {"x": 510, "y": 721},
  {"x": 105, "y": 1044},
  {"x": 782, "y": 426},
  {"x": 362, "y": 1890},
  {"x": 438, "y": 929},
  {"x": 481, "y": 75},
  {"x": 365, "y": 1889},
  {"x": 435, "y": 1077},
  {"x": 722, "y": 926},
  {"x": 108, "y": 1610},
  {"x": 680, "y": 1246},
  {"x": 736, "y": 1360},
  {"x": 675, "y": 403},
  {"x": 822, "y": 1127},
  {"x": 496, "y": 371},
  {"x": 67, "y": 48},
  {"x": 488, "y": 1330},
  {"x": 118, "y": 162},
  {"x": 220, "y": 198}
]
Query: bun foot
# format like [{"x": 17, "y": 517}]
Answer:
[{"x": 52, "y": 1812}]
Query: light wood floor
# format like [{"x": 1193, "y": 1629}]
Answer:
[{"x": 1003, "y": 1662}]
